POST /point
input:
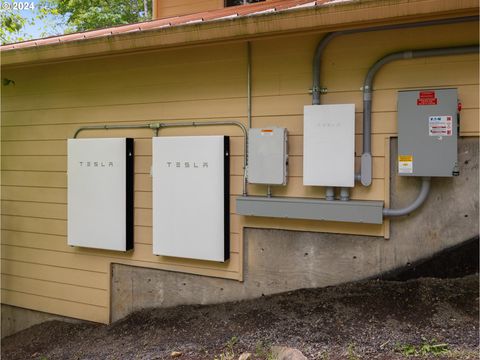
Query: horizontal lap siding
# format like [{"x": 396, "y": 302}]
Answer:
[
  {"x": 49, "y": 102},
  {"x": 168, "y": 8}
]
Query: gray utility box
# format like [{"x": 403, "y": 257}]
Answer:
[
  {"x": 267, "y": 156},
  {"x": 427, "y": 132}
]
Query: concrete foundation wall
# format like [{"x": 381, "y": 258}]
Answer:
[
  {"x": 277, "y": 261},
  {"x": 15, "y": 319}
]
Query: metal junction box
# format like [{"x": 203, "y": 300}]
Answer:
[
  {"x": 100, "y": 193},
  {"x": 329, "y": 145},
  {"x": 267, "y": 156},
  {"x": 427, "y": 132}
]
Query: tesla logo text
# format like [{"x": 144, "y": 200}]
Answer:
[
  {"x": 187, "y": 164},
  {"x": 96, "y": 163}
]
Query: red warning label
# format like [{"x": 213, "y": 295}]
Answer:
[
  {"x": 427, "y": 95},
  {"x": 427, "y": 101}
]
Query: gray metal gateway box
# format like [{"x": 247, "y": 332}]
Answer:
[
  {"x": 267, "y": 156},
  {"x": 427, "y": 132}
]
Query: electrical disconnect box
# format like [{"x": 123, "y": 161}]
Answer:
[
  {"x": 267, "y": 156},
  {"x": 191, "y": 208},
  {"x": 427, "y": 133},
  {"x": 329, "y": 145},
  {"x": 100, "y": 193}
]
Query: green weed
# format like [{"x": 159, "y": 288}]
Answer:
[
  {"x": 351, "y": 354},
  {"x": 229, "y": 352},
  {"x": 427, "y": 348},
  {"x": 264, "y": 351}
]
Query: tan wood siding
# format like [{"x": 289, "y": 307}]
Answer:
[
  {"x": 169, "y": 8},
  {"x": 49, "y": 102}
]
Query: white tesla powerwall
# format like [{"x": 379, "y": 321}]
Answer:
[
  {"x": 100, "y": 193},
  {"x": 191, "y": 197}
]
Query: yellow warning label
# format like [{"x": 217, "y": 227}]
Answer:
[
  {"x": 405, "y": 157},
  {"x": 405, "y": 164}
]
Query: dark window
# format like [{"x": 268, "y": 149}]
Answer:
[{"x": 240, "y": 2}]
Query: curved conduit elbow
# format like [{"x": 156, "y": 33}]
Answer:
[
  {"x": 317, "y": 58},
  {"x": 422, "y": 196}
]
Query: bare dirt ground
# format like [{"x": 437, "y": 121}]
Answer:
[{"x": 423, "y": 318}]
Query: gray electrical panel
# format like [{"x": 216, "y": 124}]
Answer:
[
  {"x": 427, "y": 133},
  {"x": 267, "y": 156}
]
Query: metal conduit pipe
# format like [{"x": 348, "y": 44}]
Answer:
[
  {"x": 366, "y": 161},
  {"x": 108, "y": 127},
  {"x": 422, "y": 196},
  {"x": 317, "y": 90},
  {"x": 344, "y": 194},
  {"x": 249, "y": 112},
  {"x": 329, "y": 193},
  {"x": 157, "y": 126},
  {"x": 249, "y": 84},
  {"x": 317, "y": 64},
  {"x": 365, "y": 177}
]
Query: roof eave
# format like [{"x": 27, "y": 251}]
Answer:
[{"x": 325, "y": 18}]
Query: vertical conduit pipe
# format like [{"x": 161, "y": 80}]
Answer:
[
  {"x": 329, "y": 191},
  {"x": 249, "y": 84},
  {"x": 249, "y": 115},
  {"x": 317, "y": 64},
  {"x": 344, "y": 194}
]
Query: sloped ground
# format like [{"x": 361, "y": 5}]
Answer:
[{"x": 365, "y": 320}]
